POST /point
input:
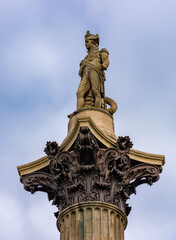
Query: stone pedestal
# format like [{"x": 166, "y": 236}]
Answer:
[{"x": 92, "y": 221}]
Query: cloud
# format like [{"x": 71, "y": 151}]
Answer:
[
  {"x": 11, "y": 217},
  {"x": 9, "y": 8},
  {"x": 40, "y": 217},
  {"x": 23, "y": 221},
  {"x": 34, "y": 58}
]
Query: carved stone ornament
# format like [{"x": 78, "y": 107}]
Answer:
[{"x": 90, "y": 173}]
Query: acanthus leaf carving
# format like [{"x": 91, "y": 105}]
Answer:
[
  {"x": 38, "y": 182},
  {"x": 88, "y": 173},
  {"x": 124, "y": 144},
  {"x": 52, "y": 149}
]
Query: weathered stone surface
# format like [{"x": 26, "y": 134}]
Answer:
[
  {"x": 88, "y": 172},
  {"x": 92, "y": 220}
]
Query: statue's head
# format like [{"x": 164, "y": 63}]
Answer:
[{"x": 91, "y": 39}]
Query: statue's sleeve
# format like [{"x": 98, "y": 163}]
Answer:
[{"x": 105, "y": 58}]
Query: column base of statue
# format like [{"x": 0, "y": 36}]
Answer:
[{"x": 92, "y": 221}]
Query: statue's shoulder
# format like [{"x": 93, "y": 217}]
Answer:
[{"x": 104, "y": 50}]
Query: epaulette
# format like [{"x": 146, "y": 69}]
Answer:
[{"x": 104, "y": 50}]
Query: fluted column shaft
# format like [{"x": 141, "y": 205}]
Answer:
[{"x": 92, "y": 221}]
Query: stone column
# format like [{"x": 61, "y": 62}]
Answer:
[{"x": 92, "y": 221}]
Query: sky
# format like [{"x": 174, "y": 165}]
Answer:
[{"x": 41, "y": 46}]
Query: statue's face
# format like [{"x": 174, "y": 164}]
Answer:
[{"x": 88, "y": 44}]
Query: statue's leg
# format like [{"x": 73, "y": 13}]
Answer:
[
  {"x": 95, "y": 83},
  {"x": 83, "y": 88}
]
